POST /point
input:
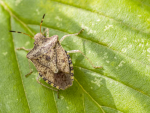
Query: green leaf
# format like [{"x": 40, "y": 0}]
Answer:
[{"x": 116, "y": 36}]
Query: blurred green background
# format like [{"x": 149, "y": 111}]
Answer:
[{"x": 116, "y": 36}]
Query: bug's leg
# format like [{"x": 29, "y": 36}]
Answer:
[
  {"x": 78, "y": 51},
  {"x": 47, "y": 86},
  {"x": 46, "y": 32},
  {"x": 70, "y": 35},
  {"x": 23, "y": 48},
  {"x": 31, "y": 71}
]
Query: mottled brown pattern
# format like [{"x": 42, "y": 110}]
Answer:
[
  {"x": 51, "y": 61},
  {"x": 42, "y": 46},
  {"x": 62, "y": 59},
  {"x": 62, "y": 80}
]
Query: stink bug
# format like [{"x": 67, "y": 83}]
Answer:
[{"x": 51, "y": 61}]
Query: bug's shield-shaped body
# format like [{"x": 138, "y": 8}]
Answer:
[{"x": 52, "y": 61}]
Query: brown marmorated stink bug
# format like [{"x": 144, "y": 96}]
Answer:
[{"x": 51, "y": 61}]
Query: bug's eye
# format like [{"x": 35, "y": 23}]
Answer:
[{"x": 35, "y": 43}]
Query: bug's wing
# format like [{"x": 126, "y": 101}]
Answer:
[
  {"x": 56, "y": 59},
  {"x": 44, "y": 71},
  {"x": 59, "y": 80},
  {"x": 63, "y": 80},
  {"x": 62, "y": 59},
  {"x": 46, "y": 45},
  {"x": 49, "y": 60}
]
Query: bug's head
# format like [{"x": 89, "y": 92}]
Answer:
[{"x": 38, "y": 38}]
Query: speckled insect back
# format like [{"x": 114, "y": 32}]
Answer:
[{"x": 51, "y": 61}]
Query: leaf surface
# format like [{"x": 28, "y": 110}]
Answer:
[{"x": 115, "y": 36}]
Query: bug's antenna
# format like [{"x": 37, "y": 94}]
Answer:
[
  {"x": 41, "y": 23},
  {"x": 21, "y": 33}
]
